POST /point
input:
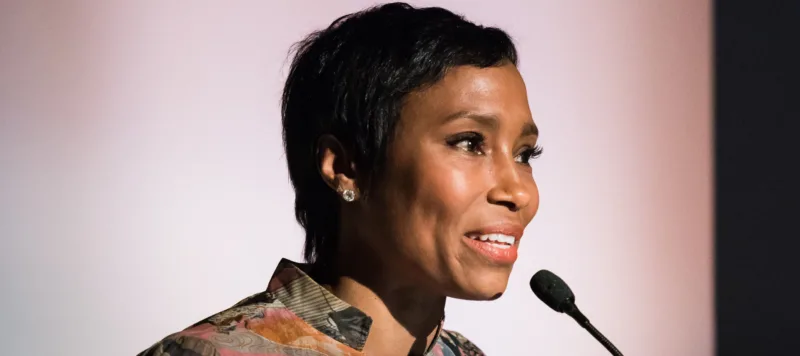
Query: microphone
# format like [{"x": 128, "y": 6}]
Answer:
[{"x": 554, "y": 292}]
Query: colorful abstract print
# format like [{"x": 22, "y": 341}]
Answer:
[{"x": 293, "y": 316}]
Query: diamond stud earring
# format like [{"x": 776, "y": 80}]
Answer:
[{"x": 348, "y": 195}]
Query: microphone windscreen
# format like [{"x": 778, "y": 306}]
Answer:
[{"x": 552, "y": 290}]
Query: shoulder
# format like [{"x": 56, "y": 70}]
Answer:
[
  {"x": 459, "y": 344},
  {"x": 243, "y": 329},
  {"x": 181, "y": 345},
  {"x": 208, "y": 339}
]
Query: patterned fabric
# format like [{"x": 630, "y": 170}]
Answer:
[{"x": 293, "y": 316}]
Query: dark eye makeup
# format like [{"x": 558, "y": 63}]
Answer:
[
  {"x": 473, "y": 142},
  {"x": 468, "y": 141},
  {"x": 528, "y": 154}
]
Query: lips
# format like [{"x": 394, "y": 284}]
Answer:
[
  {"x": 501, "y": 240},
  {"x": 497, "y": 243}
]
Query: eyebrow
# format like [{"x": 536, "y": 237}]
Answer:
[
  {"x": 530, "y": 129},
  {"x": 491, "y": 121}
]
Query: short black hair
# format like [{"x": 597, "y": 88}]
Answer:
[{"x": 350, "y": 79}]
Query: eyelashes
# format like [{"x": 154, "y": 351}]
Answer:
[
  {"x": 474, "y": 142},
  {"x": 530, "y": 153}
]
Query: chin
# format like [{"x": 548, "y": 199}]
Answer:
[{"x": 483, "y": 286}]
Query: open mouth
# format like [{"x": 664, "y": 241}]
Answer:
[{"x": 500, "y": 241}]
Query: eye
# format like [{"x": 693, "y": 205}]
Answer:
[
  {"x": 528, "y": 154},
  {"x": 471, "y": 142}
]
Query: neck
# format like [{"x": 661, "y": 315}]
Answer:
[{"x": 405, "y": 318}]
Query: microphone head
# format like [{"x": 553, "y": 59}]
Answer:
[{"x": 553, "y": 291}]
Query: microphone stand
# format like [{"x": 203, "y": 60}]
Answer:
[{"x": 572, "y": 310}]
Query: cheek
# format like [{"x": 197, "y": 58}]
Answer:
[
  {"x": 442, "y": 193},
  {"x": 436, "y": 203},
  {"x": 453, "y": 186}
]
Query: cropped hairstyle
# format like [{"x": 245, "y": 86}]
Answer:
[{"x": 350, "y": 80}]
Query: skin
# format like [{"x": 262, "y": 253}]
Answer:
[{"x": 403, "y": 248}]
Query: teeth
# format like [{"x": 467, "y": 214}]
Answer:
[{"x": 498, "y": 239}]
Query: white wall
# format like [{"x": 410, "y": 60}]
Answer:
[{"x": 143, "y": 185}]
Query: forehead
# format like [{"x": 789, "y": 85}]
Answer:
[{"x": 498, "y": 91}]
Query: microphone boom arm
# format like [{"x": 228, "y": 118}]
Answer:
[{"x": 572, "y": 310}]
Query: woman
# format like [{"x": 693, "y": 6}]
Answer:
[{"x": 409, "y": 139}]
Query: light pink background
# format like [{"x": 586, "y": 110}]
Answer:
[{"x": 143, "y": 184}]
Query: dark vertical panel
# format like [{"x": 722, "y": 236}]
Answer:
[{"x": 757, "y": 163}]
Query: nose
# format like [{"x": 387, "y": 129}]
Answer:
[{"x": 510, "y": 189}]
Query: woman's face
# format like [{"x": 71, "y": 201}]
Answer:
[{"x": 458, "y": 189}]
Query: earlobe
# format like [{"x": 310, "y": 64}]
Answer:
[
  {"x": 335, "y": 166},
  {"x": 347, "y": 194}
]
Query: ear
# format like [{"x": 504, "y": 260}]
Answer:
[{"x": 335, "y": 166}]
